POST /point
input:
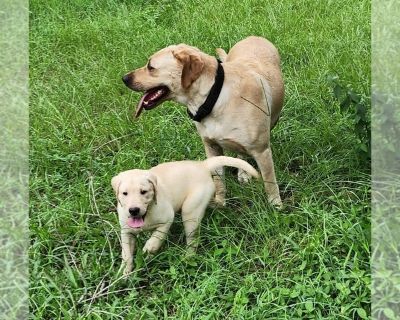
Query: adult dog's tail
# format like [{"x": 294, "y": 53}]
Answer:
[
  {"x": 221, "y": 54},
  {"x": 218, "y": 162}
]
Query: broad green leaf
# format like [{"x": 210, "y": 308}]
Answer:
[
  {"x": 309, "y": 305},
  {"x": 362, "y": 313}
]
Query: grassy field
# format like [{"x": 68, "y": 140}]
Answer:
[{"x": 309, "y": 261}]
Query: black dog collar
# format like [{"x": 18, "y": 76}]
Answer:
[{"x": 206, "y": 108}]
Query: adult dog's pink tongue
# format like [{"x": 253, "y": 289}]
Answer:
[
  {"x": 136, "y": 222},
  {"x": 140, "y": 106},
  {"x": 151, "y": 99}
]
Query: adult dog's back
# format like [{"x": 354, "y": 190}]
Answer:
[{"x": 260, "y": 56}]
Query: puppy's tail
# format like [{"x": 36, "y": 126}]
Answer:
[
  {"x": 218, "y": 162},
  {"x": 221, "y": 54}
]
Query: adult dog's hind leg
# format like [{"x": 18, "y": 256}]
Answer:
[
  {"x": 213, "y": 150},
  {"x": 266, "y": 166},
  {"x": 243, "y": 176}
]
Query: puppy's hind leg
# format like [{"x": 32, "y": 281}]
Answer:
[{"x": 193, "y": 211}]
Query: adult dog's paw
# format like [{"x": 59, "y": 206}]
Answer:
[
  {"x": 218, "y": 202},
  {"x": 127, "y": 269},
  {"x": 276, "y": 202},
  {"x": 243, "y": 176}
]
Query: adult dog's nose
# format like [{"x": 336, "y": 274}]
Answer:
[
  {"x": 134, "y": 211},
  {"x": 126, "y": 79}
]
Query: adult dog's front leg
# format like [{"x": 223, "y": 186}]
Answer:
[
  {"x": 128, "y": 247},
  {"x": 266, "y": 166},
  {"x": 214, "y": 150},
  {"x": 157, "y": 238}
]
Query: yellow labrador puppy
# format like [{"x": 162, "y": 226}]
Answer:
[
  {"x": 149, "y": 199},
  {"x": 234, "y": 103}
]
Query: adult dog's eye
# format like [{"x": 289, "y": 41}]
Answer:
[
  {"x": 149, "y": 67},
  {"x": 143, "y": 191},
  {"x": 125, "y": 193}
]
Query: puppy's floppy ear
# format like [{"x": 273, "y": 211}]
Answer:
[
  {"x": 192, "y": 63},
  {"x": 153, "y": 180},
  {"x": 115, "y": 183}
]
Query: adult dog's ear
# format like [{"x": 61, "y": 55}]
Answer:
[
  {"x": 192, "y": 63},
  {"x": 153, "y": 181}
]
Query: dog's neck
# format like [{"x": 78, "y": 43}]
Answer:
[{"x": 200, "y": 89}]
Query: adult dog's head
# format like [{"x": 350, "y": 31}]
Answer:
[
  {"x": 135, "y": 190},
  {"x": 169, "y": 74}
]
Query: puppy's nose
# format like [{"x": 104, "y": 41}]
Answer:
[
  {"x": 134, "y": 211},
  {"x": 125, "y": 79}
]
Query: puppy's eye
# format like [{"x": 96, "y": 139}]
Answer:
[
  {"x": 125, "y": 193},
  {"x": 149, "y": 67},
  {"x": 143, "y": 191}
]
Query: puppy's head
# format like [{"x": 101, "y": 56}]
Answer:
[
  {"x": 168, "y": 74},
  {"x": 135, "y": 190}
]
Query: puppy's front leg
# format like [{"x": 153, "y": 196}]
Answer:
[
  {"x": 214, "y": 150},
  {"x": 157, "y": 238},
  {"x": 128, "y": 247}
]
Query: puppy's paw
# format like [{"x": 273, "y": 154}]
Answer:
[
  {"x": 190, "y": 252},
  {"x": 151, "y": 246},
  {"x": 243, "y": 176}
]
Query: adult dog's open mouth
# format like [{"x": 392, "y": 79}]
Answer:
[{"x": 152, "y": 98}]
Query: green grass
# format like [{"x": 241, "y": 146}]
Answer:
[{"x": 309, "y": 261}]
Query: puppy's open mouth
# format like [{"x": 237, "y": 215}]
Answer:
[
  {"x": 152, "y": 98},
  {"x": 135, "y": 222}
]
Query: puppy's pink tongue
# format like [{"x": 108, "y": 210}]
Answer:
[{"x": 136, "y": 222}]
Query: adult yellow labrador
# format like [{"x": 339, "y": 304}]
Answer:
[{"x": 234, "y": 102}]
